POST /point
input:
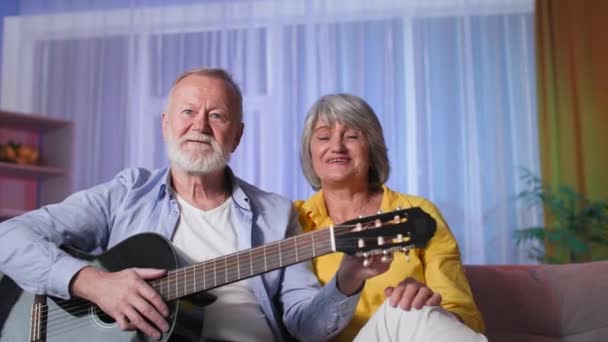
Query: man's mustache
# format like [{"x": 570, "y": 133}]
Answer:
[{"x": 197, "y": 137}]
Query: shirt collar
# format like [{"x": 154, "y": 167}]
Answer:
[
  {"x": 164, "y": 188},
  {"x": 316, "y": 210},
  {"x": 239, "y": 196}
]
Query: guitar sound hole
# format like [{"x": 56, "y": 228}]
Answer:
[{"x": 104, "y": 317}]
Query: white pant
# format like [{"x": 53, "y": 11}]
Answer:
[{"x": 431, "y": 323}]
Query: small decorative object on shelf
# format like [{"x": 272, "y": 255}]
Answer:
[{"x": 17, "y": 153}]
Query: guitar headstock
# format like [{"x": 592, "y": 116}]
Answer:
[{"x": 399, "y": 230}]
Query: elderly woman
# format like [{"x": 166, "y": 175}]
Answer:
[{"x": 344, "y": 158}]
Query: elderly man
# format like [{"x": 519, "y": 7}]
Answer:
[{"x": 205, "y": 211}]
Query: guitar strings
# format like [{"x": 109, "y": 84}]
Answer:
[
  {"x": 188, "y": 274},
  {"x": 60, "y": 328},
  {"x": 82, "y": 305},
  {"x": 173, "y": 276}
]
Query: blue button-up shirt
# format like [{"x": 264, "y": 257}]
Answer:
[{"x": 139, "y": 200}]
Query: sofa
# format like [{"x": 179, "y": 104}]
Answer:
[
  {"x": 542, "y": 303},
  {"x": 521, "y": 303}
]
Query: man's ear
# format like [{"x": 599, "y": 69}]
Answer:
[
  {"x": 164, "y": 124},
  {"x": 239, "y": 135}
]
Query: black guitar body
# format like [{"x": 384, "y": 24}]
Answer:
[{"x": 87, "y": 323}]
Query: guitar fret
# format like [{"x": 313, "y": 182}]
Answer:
[
  {"x": 176, "y": 283},
  {"x": 289, "y": 253},
  {"x": 204, "y": 275},
  {"x": 232, "y": 267},
  {"x": 215, "y": 273},
  {"x": 333, "y": 241},
  {"x": 269, "y": 250},
  {"x": 170, "y": 286},
  {"x": 207, "y": 272},
  {"x": 259, "y": 260},
  {"x": 168, "y": 293},
  {"x": 300, "y": 249},
  {"x": 250, "y": 262},
  {"x": 238, "y": 266},
  {"x": 295, "y": 245},
  {"x": 280, "y": 256},
  {"x": 160, "y": 287},
  {"x": 226, "y": 268},
  {"x": 265, "y": 265},
  {"x": 185, "y": 272},
  {"x": 243, "y": 267},
  {"x": 311, "y": 247}
]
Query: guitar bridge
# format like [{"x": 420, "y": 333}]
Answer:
[{"x": 38, "y": 319}]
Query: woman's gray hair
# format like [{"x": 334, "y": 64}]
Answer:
[{"x": 353, "y": 112}]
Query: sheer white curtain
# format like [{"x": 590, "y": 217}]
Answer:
[{"x": 452, "y": 82}]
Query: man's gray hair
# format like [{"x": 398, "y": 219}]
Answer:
[
  {"x": 214, "y": 73},
  {"x": 353, "y": 112}
]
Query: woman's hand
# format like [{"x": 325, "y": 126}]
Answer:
[
  {"x": 412, "y": 294},
  {"x": 352, "y": 273}
]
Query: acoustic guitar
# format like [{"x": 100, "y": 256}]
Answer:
[{"x": 29, "y": 317}]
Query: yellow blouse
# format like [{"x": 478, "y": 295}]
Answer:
[{"x": 438, "y": 265}]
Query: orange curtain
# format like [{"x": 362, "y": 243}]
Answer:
[{"x": 572, "y": 66}]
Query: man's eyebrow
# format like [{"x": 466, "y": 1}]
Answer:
[{"x": 187, "y": 103}]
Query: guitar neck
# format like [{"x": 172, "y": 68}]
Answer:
[{"x": 244, "y": 264}]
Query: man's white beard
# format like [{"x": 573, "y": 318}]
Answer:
[{"x": 200, "y": 160}]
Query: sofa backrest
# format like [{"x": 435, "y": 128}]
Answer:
[{"x": 542, "y": 302}]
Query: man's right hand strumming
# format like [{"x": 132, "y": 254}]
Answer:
[{"x": 126, "y": 297}]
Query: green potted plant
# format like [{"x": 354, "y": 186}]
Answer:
[{"x": 575, "y": 229}]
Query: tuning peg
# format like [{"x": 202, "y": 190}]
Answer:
[
  {"x": 367, "y": 262},
  {"x": 380, "y": 240},
  {"x": 361, "y": 243},
  {"x": 358, "y": 227},
  {"x": 406, "y": 252},
  {"x": 399, "y": 238},
  {"x": 387, "y": 257},
  {"x": 378, "y": 223}
]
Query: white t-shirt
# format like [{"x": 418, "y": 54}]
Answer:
[{"x": 203, "y": 235}]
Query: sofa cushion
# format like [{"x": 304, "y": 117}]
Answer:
[
  {"x": 542, "y": 302},
  {"x": 582, "y": 291},
  {"x": 514, "y": 299}
]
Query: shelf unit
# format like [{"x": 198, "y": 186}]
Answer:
[
  {"x": 52, "y": 180},
  {"x": 12, "y": 169}
]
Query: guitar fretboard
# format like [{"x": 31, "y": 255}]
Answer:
[{"x": 234, "y": 267}]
